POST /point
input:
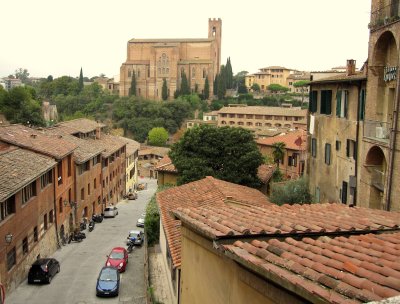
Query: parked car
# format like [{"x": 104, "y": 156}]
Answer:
[
  {"x": 108, "y": 282},
  {"x": 43, "y": 270},
  {"x": 118, "y": 258},
  {"x": 132, "y": 195},
  {"x": 137, "y": 236},
  {"x": 110, "y": 211},
  {"x": 140, "y": 222}
]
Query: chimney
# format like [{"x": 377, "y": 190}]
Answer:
[
  {"x": 350, "y": 67},
  {"x": 98, "y": 134}
]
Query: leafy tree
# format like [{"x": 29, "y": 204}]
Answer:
[
  {"x": 226, "y": 153},
  {"x": 292, "y": 192},
  {"x": 274, "y": 87},
  {"x": 206, "y": 93},
  {"x": 239, "y": 82},
  {"x": 50, "y": 78},
  {"x": 164, "y": 92},
  {"x": 278, "y": 152},
  {"x": 255, "y": 87},
  {"x": 158, "y": 137},
  {"x": 277, "y": 176},
  {"x": 132, "y": 89},
  {"x": 80, "y": 82},
  {"x": 185, "y": 89},
  {"x": 22, "y": 74}
]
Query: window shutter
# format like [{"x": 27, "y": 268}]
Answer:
[
  {"x": 328, "y": 102},
  {"x": 346, "y": 102},
  {"x": 348, "y": 147},
  {"x": 362, "y": 105},
  {"x": 338, "y": 102},
  {"x": 355, "y": 150}
]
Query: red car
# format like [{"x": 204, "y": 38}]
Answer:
[{"x": 118, "y": 258}]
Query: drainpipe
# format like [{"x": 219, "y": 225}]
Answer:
[
  {"x": 358, "y": 140},
  {"x": 392, "y": 146},
  {"x": 55, "y": 208}
]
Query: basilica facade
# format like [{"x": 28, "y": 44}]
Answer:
[{"x": 153, "y": 60}]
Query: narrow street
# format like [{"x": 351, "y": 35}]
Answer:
[{"x": 81, "y": 262}]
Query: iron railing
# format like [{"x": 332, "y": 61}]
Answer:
[{"x": 385, "y": 14}]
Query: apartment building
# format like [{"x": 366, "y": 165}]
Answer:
[
  {"x": 267, "y": 76},
  {"x": 379, "y": 165},
  {"x": 131, "y": 164},
  {"x": 293, "y": 162},
  {"x": 336, "y": 114},
  {"x": 262, "y": 118}
]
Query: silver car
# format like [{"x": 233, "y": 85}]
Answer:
[{"x": 110, "y": 211}]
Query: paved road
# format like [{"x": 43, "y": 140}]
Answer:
[{"x": 81, "y": 263}]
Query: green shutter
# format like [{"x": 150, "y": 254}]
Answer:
[
  {"x": 362, "y": 105},
  {"x": 338, "y": 102},
  {"x": 328, "y": 102}
]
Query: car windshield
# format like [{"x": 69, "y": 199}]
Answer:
[
  {"x": 134, "y": 234},
  {"x": 108, "y": 275},
  {"x": 116, "y": 255},
  {"x": 108, "y": 209}
]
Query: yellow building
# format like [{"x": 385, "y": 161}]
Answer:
[
  {"x": 131, "y": 164},
  {"x": 336, "y": 114},
  {"x": 267, "y": 76},
  {"x": 262, "y": 118},
  {"x": 166, "y": 172},
  {"x": 237, "y": 253},
  {"x": 153, "y": 60},
  {"x": 379, "y": 164}
]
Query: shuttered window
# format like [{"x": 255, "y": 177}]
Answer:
[
  {"x": 342, "y": 101},
  {"x": 313, "y": 101},
  {"x": 326, "y": 102},
  {"x": 361, "y": 113}
]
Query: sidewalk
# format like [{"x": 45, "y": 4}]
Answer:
[{"x": 158, "y": 277}]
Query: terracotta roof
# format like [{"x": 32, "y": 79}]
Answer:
[
  {"x": 274, "y": 67},
  {"x": 19, "y": 167},
  {"x": 160, "y": 151},
  {"x": 342, "y": 269},
  {"x": 295, "y": 111},
  {"x": 289, "y": 139},
  {"x": 341, "y": 78},
  {"x": 165, "y": 164},
  {"x": 287, "y": 219},
  {"x": 36, "y": 140},
  {"x": 207, "y": 191},
  {"x": 132, "y": 145},
  {"x": 82, "y": 125},
  {"x": 265, "y": 172},
  {"x": 108, "y": 143}
]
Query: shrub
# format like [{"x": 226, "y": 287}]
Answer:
[{"x": 292, "y": 192}]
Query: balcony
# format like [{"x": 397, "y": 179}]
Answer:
[
  {"x": 377, "y": 178},
  {"x": 385, "y": 15},
  {"x": 377, "y": 130}
]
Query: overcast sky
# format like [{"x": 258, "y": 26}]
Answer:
[{"x": 58, "y": 37}]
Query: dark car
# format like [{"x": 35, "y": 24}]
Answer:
[
  {"x": 43, "y": 270},
  {"x": 108, "y": 282},
  {"x": 136, "y": 236}
]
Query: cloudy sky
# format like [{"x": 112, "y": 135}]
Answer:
[{"x": 58, "y": 37}]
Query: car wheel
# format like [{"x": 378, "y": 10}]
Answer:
[
  {"x": 58, "y": 269},
  {"x": 49, "y": 279}
]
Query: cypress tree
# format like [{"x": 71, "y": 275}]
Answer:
[
  {"x": 164, "y": 93},
  {"x": 206, "y": 89},
  {"x": 132, "y": 90},
  {"x": 221, "y": 90},
  {"x": 80, "y": 83},
  {"x": 215, "y": 89},
  {"x": 228, "y": 74},
  {"x": 185, "y": 90}
]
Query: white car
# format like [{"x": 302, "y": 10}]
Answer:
[
  {"x": 140, "y": 222},
  {"x": 110, "y": 211}
]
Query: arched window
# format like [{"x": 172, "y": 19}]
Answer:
[
  {"x": 204, "y": 73},
  {"x": 138, "y": 73},
  {"x": 193, "y": 72},
  {"x": 129, "y": 73}
]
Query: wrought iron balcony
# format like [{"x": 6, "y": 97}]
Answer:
[
  {"x": 377, "y": 130},
  {"x": 385, "y": 15}
]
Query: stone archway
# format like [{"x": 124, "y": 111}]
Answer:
[{"x": 376, "y": 165}]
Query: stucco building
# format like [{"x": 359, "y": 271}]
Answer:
[
  {"x": 132, "y": 157},
  {"x": 167, "y": 174},
  {"x": 262, "y": 118},
  {"x": 267, "y": 76},
  {"x": 379, "y": 164},
  {"x": 317, "y": 253},
  {"x": 336, "y": 115},
  {"x": 153, "y": 60}
]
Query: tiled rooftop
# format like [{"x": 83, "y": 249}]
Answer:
[
  {"x": 207, "y": 191},
  {"x": 160, "y": 151},
  {"x": 132, "y": 145},
  {"x": 342, "y": 269},
  {"x": 265, "y": 172},
  {"x": 290, "y": 139},
  {"x": 82, "y": 125},
  {"x": 36, "y": 140},
  {"x": 108, "y": 143},
  {"x": 287, "y": 219},
  {"x": 322, "y": 252},
  {"x": 165, "y": 164},
  {"x": 264, "y": 111},
  {"x": 341, "y": 78},
  {"x": 84, "y": 151},
  {"x": 19, "y": 167}
]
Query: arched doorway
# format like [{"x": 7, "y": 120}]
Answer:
[
  {"x": 71, "y": 222},
  {"x": 375, "y": 163}
]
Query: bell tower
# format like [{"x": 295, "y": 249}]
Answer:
[{"x": 215, "y": 32}]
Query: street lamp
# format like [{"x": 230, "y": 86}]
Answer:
[{"x": 8, "y": 237}]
